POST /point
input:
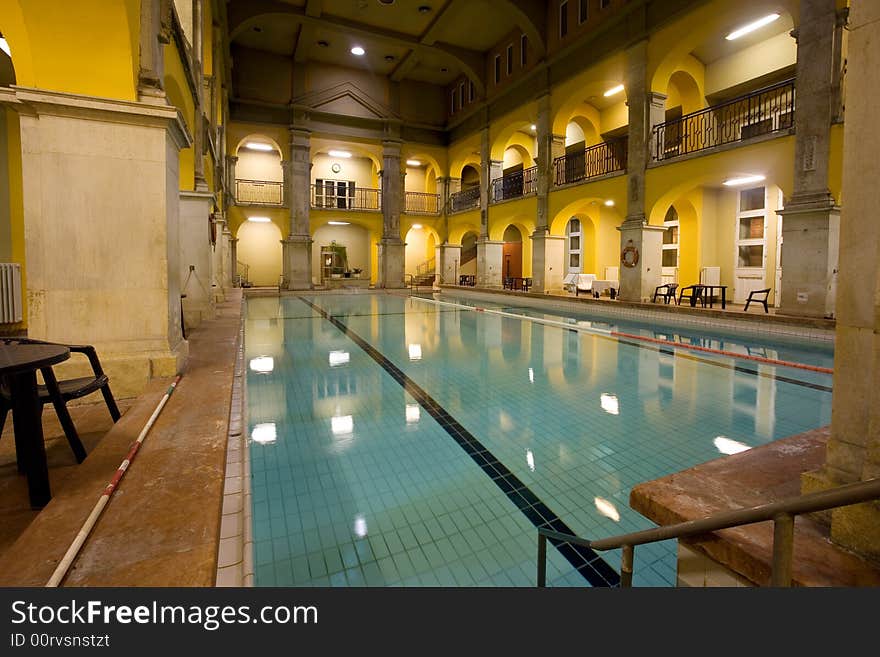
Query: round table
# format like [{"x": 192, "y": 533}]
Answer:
[{"x": 18, "y": 365}]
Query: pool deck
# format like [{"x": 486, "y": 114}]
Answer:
[
  {"x": 764, "y": 474},
  {"x": 166, "y": 525}
]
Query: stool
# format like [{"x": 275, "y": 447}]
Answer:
[{"x": 753, "y": 297}]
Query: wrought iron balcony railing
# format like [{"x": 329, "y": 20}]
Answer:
[
  {"x": 761, "y": 112},
  {"x": 345, "y": 198},
  {"x": 594, "y": 161},
  {"x": 421, "y": 203},
  {"x": 258, "y": 192},
  {"x": 466, "y": 199},
  {"x": 514, "y": 185}
]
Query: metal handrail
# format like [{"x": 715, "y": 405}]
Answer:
[
  {"x": 348, "y": 198},
  {"x": 782, "y": 514},
  {"x": 514, "y": 185},
  {"x": 760, "y": 112},
  {"x": 466, "y": 199},
  {"x": 599, "y": 160}
]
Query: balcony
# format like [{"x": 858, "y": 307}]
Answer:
[
  {"x": 345, "y": 197},
  {"x": 763, "y": 112},
  {"x": 515, "y": 185},
  {"x": 599, "y": 160},
  {"x": 466, "y": 199},
  {"x": 421, "y": 203},
  {"x": 258, "y": 192}
]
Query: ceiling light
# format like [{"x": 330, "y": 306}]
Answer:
[
  {"x": 745, "y": 180},
  {"x": 335, "y": 153},
  {"x": 323, "y": 44},
  {"x": 613, "y": 90},
  {"x": 258, "y": 29},
  {"x": 533, "y": 127},
  {"x": 610, "y": 203},
  {"x": 4, "y": 46},
  {"x": 424, "y": 9},
  {"x": 357, "y": 50},
  {"x": 444, "y": 70},
  {"x": 262, "y": 364},
  {"x": 417, "y": 226},
  {"x": 751, "y": 27},
  {"x": 413, "y": 163},
  {"x": 390, "y": 58},
  {"x": 264, "y": 434},
  {"x": 259, "y": 146},
  {"x": 260, "y": 220},
  {"x": 338, "y": 223}
]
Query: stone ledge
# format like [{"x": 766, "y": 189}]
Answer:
[{"x": 763, "y": 474}]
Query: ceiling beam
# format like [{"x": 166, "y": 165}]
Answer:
[
  {"x": 407, "y": 63},
  {"x": 303, "y": 42},
  {"x": 471, "y": 61},
  {"x": 410, "y": 60},
  {"x": 531, "y": 17}
]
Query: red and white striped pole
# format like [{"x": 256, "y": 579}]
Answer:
[{"x": 74, "y": 548}]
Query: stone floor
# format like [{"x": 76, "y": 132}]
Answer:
[{"x": 162, "y": 526}]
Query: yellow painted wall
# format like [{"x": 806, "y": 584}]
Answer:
[
  {"x": 238, "y": 132},
  {"x": 256, "y": 165},
  {"x": 259, "y": 246},
  {"x": 237, "y": 215},
  {"x": 88, "y": 47},
  {"x": 357, "y": 243},
  {"x": 415, "y": 179},
  {"x": 15, "y": 206},
  {"x": 359, "y": 169},
  {"x": 207, "y": 38},
  {"x": 760, "y": 59},
  {"x": 178, "y": 91},
  {"x": 614, "y": 117},
  {"x": 417, "y": 251}
]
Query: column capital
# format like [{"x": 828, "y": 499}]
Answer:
[{"x": 656, "y": 99}]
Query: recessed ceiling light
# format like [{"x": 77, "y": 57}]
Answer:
[
  {"x": 609, "y": 203},
  {"x": 390, "y": 58},
  {"x": 424, "y": 9},
  {"x": 413, "y": 163},
  {"x": 417, "y": 226},
  {"x": 335, "y": 153},
  {"x": 357, "y": 50},
  {"x": 613, "y": 90},
  {"x": 386, "y": 2},
  {"x": 444, "y": 70},
  {"x": 751, "y": 27},
  {"x": 338, "y": 223},
  {"x": 260, "y": 220},
  {"x": 533, "y": 127},
  {"x": 323, "y": 44},
  {"x": 258, "y": 29},
  {"x": 259, "y": 146},
  {"x": 745, "y": 180}
]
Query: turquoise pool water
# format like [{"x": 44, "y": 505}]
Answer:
[{"x": 397, "y": 442}]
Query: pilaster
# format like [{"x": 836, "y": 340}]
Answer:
[
  {"x": 297, "y": 246},
  {"x": 391, "y": 260}
]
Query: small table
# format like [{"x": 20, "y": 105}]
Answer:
[
  {"x": 517, "y": 283},
  {"x": 710, "y": 289},
  {"x": 19, "y": 364}
]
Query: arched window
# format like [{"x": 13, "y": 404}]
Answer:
[{"x": 575, "y": 248}]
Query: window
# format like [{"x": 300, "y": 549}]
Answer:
[
  {"x": 471, "y": 92},
  {"x": 497, "y": 69},
  {"x": 574, "y": 246},
  {"x": 510, "y": 59},
  {"x": 583, "y": 11},
  {"x": 523, "y": 50},
  {"x": 670, "y": 239},
  {"x": 452, "y": 103},
  {"x": 334, "y": 193},
  {"x": 461, "y": 95},
  {"x": 750, "y": 227},
  {"x": 563, "y": 20}
]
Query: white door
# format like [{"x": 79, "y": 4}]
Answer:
[
  {"x": 750, "y": 247},
  {"x": 777, "y": 291}
]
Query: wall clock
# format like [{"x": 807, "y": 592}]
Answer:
[{"x": 335, "y": 167}]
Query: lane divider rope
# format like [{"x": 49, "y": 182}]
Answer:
[
  {"x": 73, "y": 550},
  {"x": 632, "y": 336}
]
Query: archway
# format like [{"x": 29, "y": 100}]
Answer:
[
  {"x": 468, "y": 263},
  {"x": 357, "y": 255},
  {"x": 420, "y": 240},
  {"x": 259, "y": 178},
  {"x": 512, "y": 252},
  {"x": 259, "y": 251}
]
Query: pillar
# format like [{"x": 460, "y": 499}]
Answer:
[
  {"x": 548, "y": 253},
  {"x": 218, "y": 256},
  {"x": 105, "y": 269},
  {"x": 151, "y": 60},
  {"x": 811, "y": 218},
  {"x": 232, "y": 260},
  {"x": 196, "y": 257},
  {"x": 853, "y": 451},
  {"x": 391, "y": 247},
  {"x": 490, "y": 268},
  {"x": 639, "y": 275},
  {"x": 448, "y": 263},
  {"x": 297, "y": 246}
]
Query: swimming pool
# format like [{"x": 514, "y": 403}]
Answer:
[{"x": 398, "y": 441}]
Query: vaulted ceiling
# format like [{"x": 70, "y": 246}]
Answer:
[{"x": 431, "y": 41}]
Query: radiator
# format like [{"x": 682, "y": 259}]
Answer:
[
  {"x": 710, "y": 275},
  {"x": 10, "y": 293}
]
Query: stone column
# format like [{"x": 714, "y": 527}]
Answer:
[
  {"x": 218, "y": 260},
  {"x": 811, "y": 218},
  {"x": 449, "y": 263},
  {"x": 231, "y": 162},
  {"x": 196, "y": 271},
  {"x": 548, "y": 253},
  {"x": 485, "y": 183},
  {"x": 232, "y": 259},
  {"x": 640, "y": 275},
  {"x": 152, "y": 60},
  {"x": 489, "y": 263},
  {"x": 391, "y": 247},
  {"x": 104, "y": 270},
  {"x": 286, "y": 167},
  {"x": 853, "y": 451},
  {"x": 297, "y": 247}
]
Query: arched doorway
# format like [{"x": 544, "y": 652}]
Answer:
[
  {"x": 468, "y": 264},
  {"x": 512, "y": 253},
  {"x": 259, "y": 252}
]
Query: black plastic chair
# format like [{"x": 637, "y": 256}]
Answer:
[
  {"x": 753, "y": 294},
  {"x": 61, "y": 392},
  {"x": 693, "y": 293},
  {"x": 665, "y": 291}
]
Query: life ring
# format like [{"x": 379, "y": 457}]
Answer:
[{"x": 629, "y": 257}]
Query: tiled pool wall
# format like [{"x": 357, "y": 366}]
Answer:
[{"x": 760, "y": 326}]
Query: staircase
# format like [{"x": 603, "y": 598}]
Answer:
[{"x": 425, "y": 275}]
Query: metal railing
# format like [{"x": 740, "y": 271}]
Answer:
[
  {"x": 259, "y": 192},
  {"x": 426, "y": 268},
  {"x": 761, "y": 112},
  {"x": 514, "y": 185},
  {"x": 351, "y": 198},
  {"x": 421, "y": 203},
  {"x": 781, "y": 513},
  {"x": 466, "y": 199},
  {"x": 241, "y": 274},
  {"x": 594, "y": 161}
]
